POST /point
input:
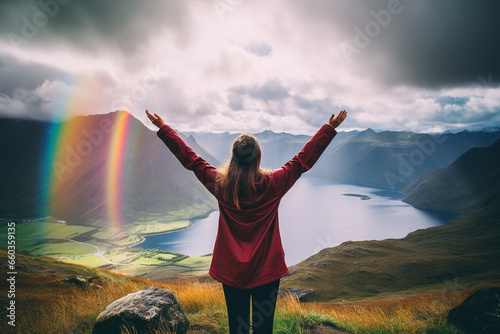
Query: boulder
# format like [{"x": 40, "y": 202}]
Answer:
[
  {"x": 146, "y": 311},
  {"x": 478, "y": 313}
]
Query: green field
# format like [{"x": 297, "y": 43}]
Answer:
[
  {"x": 90, "y": 261},
  {"x": 132, "y": 270},
  {"x": 53, "y": 247},
  {"x": 156, "y": 227},
  {"x": 45, "y": 230},
  {"x": 196, "y": 262},
  {"x": 57, "y": 240}
]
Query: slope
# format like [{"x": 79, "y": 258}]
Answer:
[
  {"x": 471, "y": 182},
  {"x": 149, "y": 179},
  {"x": 462, "y": 253}
]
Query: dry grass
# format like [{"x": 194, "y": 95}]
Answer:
[
  {"x": 49, "y": 306},
  {"x": 416, "y": 314},
  {"x": 195, "y": 296},
  {"x": 46, "y": 305}
]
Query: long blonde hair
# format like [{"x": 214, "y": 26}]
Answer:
[{"x": 238, "y": 177}]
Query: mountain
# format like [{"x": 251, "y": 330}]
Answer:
[
  {"x": 457, "y": 255},
  {"x": 148, "y": 178},
  {"x": 277, "y": 148},
  {"x": 392, "y": 159},
  {"x": 471, "y": 182}
]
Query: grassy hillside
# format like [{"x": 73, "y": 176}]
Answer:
[
  {"x": 471, "y": 182},
  {"x": 44, "y": 304},
  {"x": 464, "y": 251}
]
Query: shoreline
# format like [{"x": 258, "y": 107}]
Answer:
[{"x": 144, "y": 235}]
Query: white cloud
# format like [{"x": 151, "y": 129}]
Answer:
[{"x": 273, "y": 65}]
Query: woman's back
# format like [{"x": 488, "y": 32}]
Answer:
[
  {"x": 248, "y": 257},
  {"x": 248, "y": 250}
]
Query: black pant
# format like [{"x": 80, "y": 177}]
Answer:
[{"x": 263, "y": 305}]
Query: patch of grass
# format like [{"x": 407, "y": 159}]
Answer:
[
  {"x": 90, "y": 261},
  {"x": 121, "y": 255},
  {"x": 104, "y": 234},
  {"x": 164, "y": 271},
  {"x": 46, "y": 230},
  {"x": 157, "y": 227},
  {"x": 192, "y": 211},
  {"x": 425, "y": 313},
  {"x": 196, "y": 261},
  {"x": 137, "y": 270},
  {"x": 54, "y": 247},
  {"x": 198, "y": 272},
  {"x": 143, "y": 256},
  {"x": 148, "y": 260}
]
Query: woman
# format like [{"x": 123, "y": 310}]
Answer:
[{"x": 248, "y": 258}]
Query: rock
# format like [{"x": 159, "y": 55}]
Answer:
[
  {"x": 146, "y": 310},
  {"x": 78, "y": 280},
  {"x": 311, "y": 277},
  {"x": 478, "y": 313},
  {"x": 318, "y": 264},
  {"x": 301, "y": 294}
]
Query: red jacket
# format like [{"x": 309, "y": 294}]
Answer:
[{"x": 248, "y": 250}]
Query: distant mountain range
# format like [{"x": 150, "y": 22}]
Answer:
[{"x": 392, "y": 159}]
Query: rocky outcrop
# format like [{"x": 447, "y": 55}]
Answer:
[
  {"x": 146, "y": 311},
  {"x": 479, "y": 313},
  {"x": 78, "y": 280}
]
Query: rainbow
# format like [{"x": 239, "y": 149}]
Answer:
[
  {"x": 116, "y": 171},
  {"x": 68, "y": 144}
]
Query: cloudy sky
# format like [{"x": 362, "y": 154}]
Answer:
[{"x": 250, "y": 65}]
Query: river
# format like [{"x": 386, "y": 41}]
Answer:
[{"x": 317, "y": 213}]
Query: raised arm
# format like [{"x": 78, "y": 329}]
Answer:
[
  {"x": 205, "y": 172},
  {"x": 286, "y": 176}
]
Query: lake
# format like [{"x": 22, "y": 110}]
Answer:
[{"x": 317, "y": 213}]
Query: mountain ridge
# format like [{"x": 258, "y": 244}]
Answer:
[{"x": 472, "y": 181}]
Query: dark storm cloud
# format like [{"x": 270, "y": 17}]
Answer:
[
  {"x": 91, "y": 24},
  {"x": 444, "y": 43},
  {"x": 423, "y": 43},
  {"x": 15, "y": 74}
]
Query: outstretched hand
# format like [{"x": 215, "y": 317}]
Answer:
[
  {"x": 334, "y": 122},
  {"x": 156, "y": 119}
]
